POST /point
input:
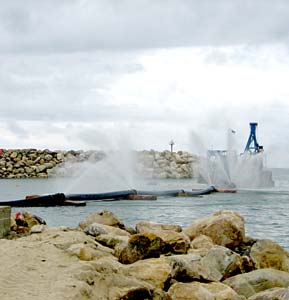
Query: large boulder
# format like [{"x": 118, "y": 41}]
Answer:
[
  {"x": 147, "y": 226},
  {"x": 176, "y": 241},
  {"x": 156, "y": 271},
  {"x": 116, "y": 281},
  {"x": 272, "y": 294},
  {"x": 104, "y": 217},
  {"x": 248, "y": 284},
  {"x": 202, "y": 242},
  {"x": 217, "y": 264},
  {"x": 222, "y": 263},
  {"x": 202, "y": 291},
  {"x": 75, "y": 242},
  {"x": 117, "y": 286},
  {"x": 267, "y": 254},
  {"x": 107, "y": 235},
  {"x": 141, "y": 246},
  {"x": 188, "y": 268},
  {"x": 225, "y": 228}
]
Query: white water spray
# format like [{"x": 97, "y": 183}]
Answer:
[{"x": 227, "y": 169}]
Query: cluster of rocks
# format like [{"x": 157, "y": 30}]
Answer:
[
  {"x": 212, "y": 259},
  {"x": 166, "y": 164},
  {"x": 33, "y": 163}
]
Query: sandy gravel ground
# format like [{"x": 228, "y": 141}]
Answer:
[{"x": 39, "y": 267}]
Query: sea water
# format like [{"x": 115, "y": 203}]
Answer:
[{"x": 266, "y": 211}]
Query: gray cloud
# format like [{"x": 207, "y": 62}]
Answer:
[
  {"x": 81, "y": 25},
  {"x": 79, "y": 73}
]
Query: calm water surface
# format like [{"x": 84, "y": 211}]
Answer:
[{"x": 266, "y": 211}]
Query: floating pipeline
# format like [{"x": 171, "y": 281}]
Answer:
[
  {"x": 168, "y": 193},
  {"x": 61, "y": 199},
  {"x": 118, "y": 195},
  {"x": 58, "y": 199},
  {"x": 183, "y": 193}
]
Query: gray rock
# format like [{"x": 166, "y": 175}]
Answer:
[
  {"x": 222, "y": 263},
  {"x": 272, "y": 294},
  {"x": 256, "y": 281},
  {"x": 104, "y": 217}
]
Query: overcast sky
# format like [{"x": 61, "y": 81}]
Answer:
[{"x": 83, "y": 74}]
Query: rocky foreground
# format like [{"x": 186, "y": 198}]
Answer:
[
  {"x": 34, "y": 163},
  {"x": 212, "y": 259}
]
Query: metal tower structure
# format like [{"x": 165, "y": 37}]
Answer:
[{"x": 252, "y": 145}]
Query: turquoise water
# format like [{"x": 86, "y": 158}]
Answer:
[{"x": 266, "y": 211}]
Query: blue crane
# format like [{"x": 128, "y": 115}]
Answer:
[{"x": 252, "y": 145}]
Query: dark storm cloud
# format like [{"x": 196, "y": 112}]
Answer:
[{"x": 79, "y": 25}]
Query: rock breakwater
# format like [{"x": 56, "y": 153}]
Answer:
[
  {"x": 166, "y": 164},
  {"x": 34, "y": 163},
  {"x": 103, "y": 259}
]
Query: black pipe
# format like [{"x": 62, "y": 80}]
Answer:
[
  {"x": 206, "y": 191},
  {"x": 172, "y": 193},
  {"x": 101, "y": 196},
  {"x": 45, "y": 200}
]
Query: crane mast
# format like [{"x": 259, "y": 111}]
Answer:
[{"x": 252, "y": 145}]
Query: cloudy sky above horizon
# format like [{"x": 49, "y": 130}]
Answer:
[{"x": 108, "y": 74}]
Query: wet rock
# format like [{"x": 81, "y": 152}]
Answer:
[
  {"x": 225, "y": 228},
  {"x": 267, "y": 254},
  {"x": 141, "y": 246},
  {"x": 202, "y": 291},
  {"x": 248, "y": 284}
]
